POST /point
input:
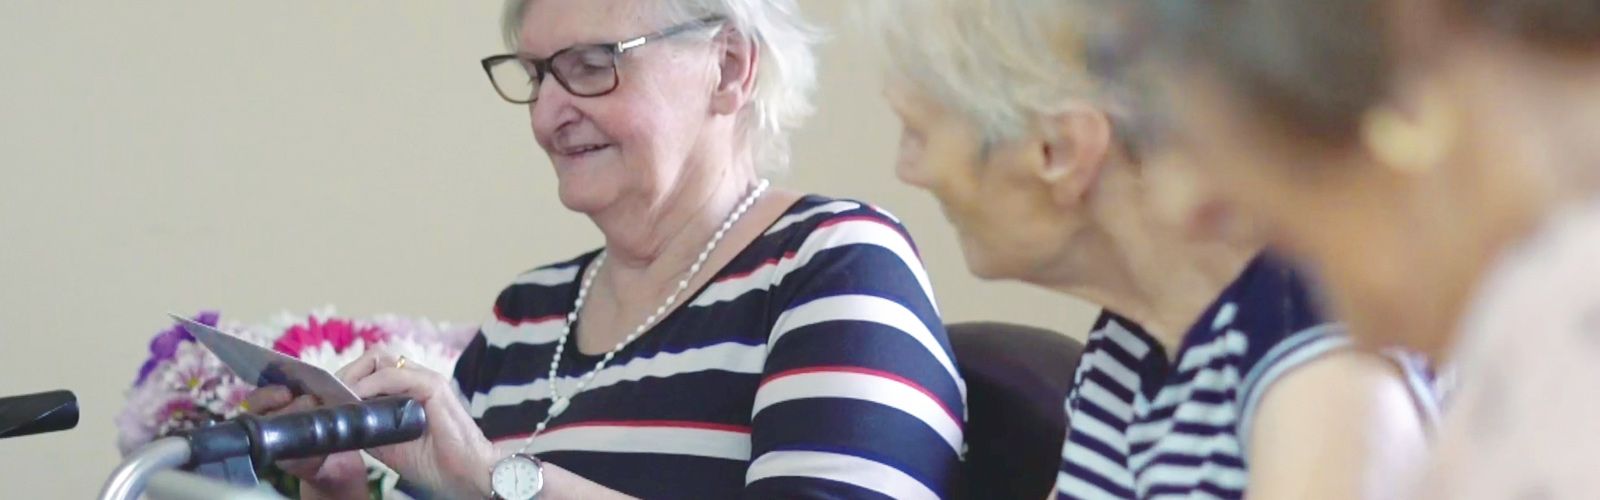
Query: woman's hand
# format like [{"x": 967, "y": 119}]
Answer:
[
  {"x": 340, "y": 475},
  {"x": 452, "y": 457}
]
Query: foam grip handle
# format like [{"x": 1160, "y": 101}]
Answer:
[
  {"x": 38, "y": 413},
  {"x": 354, "y": 426}
]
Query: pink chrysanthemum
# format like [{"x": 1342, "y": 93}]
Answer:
[{"x": 338, "y": 333}]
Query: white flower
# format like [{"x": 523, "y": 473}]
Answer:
[{"x": 324, "y": 355}]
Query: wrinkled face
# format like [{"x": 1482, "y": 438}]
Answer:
[
  {"x": 631, "y": 145},
  {"x": 1002, "y": 211}
]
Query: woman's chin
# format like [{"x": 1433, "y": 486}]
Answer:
[
  {"x": 584, "y": 199},
  {"x": 980, "y": 262},
  {"x": 982, "y": 269},
  {"x": 588, "y": 188},
  {"x": 1002, "y": 259}
]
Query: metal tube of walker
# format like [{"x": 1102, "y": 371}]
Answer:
[
  {"x": 177, "y": 485},
  {"x": 128, "y": 481}
]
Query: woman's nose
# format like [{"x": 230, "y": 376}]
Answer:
[{"x": 552, "y": 105}]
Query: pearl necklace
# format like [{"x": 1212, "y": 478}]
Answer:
[{"x": 559, "y": 402}]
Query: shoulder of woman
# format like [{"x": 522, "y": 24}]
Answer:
[
  {"x": 815, "y": 219},
  {"x": 541, "y": 292},
  {"x": 1318, "y": 366},
  {"x": 833, "y": 246},
  {"x": 558, "y": 274},
  {"x": 1342, "y": 389},
  {"x": 1336, "y": 421}
]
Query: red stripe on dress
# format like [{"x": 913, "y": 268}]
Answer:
[
  {"x": 791, "y": 254},
  {"x": 856, "y": 218},
  {"x": 878, "y": 220},
  {"x": 869, "y": 372},
  {"x": 765, "y": 264},
  {"x": 674, "y": 424},
  {"x": 515, "y": 322},
  {"x": 637, "y": 424}
]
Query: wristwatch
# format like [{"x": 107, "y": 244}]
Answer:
[{"x": 517, "y": 477}]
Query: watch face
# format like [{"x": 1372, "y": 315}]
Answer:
[{"x": 516, "y": 478}]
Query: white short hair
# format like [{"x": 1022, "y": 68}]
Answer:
[
  {"x": 1002, "y": 63},
  {"x": 785, "y": 78}
]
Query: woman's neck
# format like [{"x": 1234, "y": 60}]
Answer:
[
  {"x": 1154, "y": 275},
  {"x": 649, "y": 252}
]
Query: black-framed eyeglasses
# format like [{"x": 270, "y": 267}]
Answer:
[{"x": 588, "y": 70}]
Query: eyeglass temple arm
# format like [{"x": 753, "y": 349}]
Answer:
[{"x": 625, "y": 45}]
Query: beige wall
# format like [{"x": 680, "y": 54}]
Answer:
[{"x": 251, "y": 156}]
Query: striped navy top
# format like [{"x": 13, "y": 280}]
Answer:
[
  {"x": 814, "y": 365},
  {"x": 1140, "y": 427}
]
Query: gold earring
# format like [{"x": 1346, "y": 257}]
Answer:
[{"x": 1409, "y": 145}]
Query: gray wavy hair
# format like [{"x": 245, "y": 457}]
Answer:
[
  {"x": 1002, "y": 63},
  {"x": 785, "y": 78}
]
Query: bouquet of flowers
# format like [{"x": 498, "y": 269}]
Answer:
[{"x": 183, "y": 386}]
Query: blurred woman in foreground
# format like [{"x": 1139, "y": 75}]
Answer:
[
  {"x": 1221, "y": 381},
  {"x": 1436, "y": 162}
]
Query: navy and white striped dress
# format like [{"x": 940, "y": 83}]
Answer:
[
  {"x": 814, "y": 365},
  {"x": 1142, "y": 428}
]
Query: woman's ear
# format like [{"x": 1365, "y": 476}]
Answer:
[
  {"x": 736, "y": 82},
  {"x": 1076, "y": 143}
]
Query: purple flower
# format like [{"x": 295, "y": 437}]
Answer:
[{"x": 165, "y": 345}]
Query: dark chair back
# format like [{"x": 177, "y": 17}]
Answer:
[{"x": 1017, "y": 381}]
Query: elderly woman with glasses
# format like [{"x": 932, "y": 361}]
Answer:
[
  {"x": 729, "y": 340},
  {"x": 1215, "y": 377}
]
